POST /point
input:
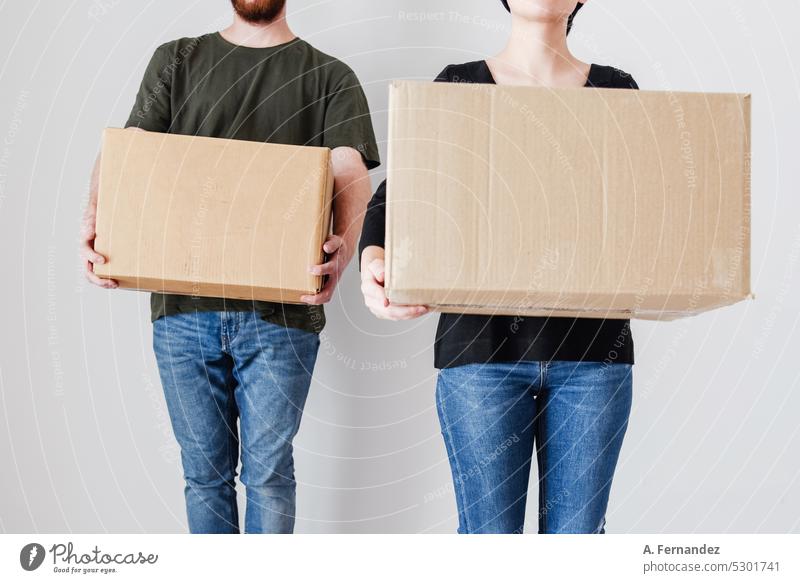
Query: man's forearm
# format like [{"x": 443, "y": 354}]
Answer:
[
  {"x": 352, "y": 192},
  {"x": 348, "y": 218}
]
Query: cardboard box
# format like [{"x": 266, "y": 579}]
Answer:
[
  {"x": 571, "y": 202},
  {"x": 212, "y": 217}
]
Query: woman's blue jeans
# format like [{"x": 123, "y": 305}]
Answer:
[
  {"x": 575, "y": 414},
  {"x": 235, "y": 387}
]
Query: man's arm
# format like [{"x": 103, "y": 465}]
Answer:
[
  {"x": 88, "y": 233},
  {"x": 151, "y": 111},
  {"x": 352, "y": 191}
]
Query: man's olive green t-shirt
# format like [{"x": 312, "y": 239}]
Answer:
[{"x": 287, "y": 94}]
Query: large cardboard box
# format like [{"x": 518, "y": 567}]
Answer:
[
  {"x": 573, "y": 202},
  {"x": 212, "y": 217}
]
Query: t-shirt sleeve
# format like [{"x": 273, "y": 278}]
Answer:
[
  {"x": 152, "y": 109},
  {"x": 625, "y": 80},
  {"x": 348, "y": 122},
  {"x": 445, "y": 76},
  {"x": 631, "y": 82},
  {"x": 374, "y": 230}
]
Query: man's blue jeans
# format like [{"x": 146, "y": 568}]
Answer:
[
  {"x": 218, "y": 368},
  {"x": 576, "y": 414}
]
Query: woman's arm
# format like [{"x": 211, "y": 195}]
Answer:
[
  {"x": 373, "y": 266},
  {"x": 372, "y": 254},
  {"x": 374, "y": 230}
]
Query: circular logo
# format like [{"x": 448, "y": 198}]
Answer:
[{"x": 31, "y": 556}]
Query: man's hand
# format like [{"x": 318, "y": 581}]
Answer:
[
  {"x": 89, "y": 256},
  {"x": 338, "y": 258},
  {"x": 351, "y": 193},
  {"x": 372, "y": 280}
]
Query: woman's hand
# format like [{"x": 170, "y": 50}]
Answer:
[{"x": 372, "y": 280}]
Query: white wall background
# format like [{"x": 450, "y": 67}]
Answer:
[{"x": 85, "y": 443}]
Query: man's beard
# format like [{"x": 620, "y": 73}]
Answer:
[{"x": 258, "y": 11}]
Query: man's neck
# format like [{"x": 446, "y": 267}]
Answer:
[
  {"x": 248, "y": 34},
  {"x": 538, "y": 49}
]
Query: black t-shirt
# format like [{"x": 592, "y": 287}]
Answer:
[
  {"x": 468, "y": 339},
  {"x": 287, "y": 94}
]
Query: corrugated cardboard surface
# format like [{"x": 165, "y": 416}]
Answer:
[
  {"x": 588, "y": 202},
  {"x": 212, "y": 217}
]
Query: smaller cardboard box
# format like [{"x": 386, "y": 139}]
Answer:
[
  {"x": 599, "y": 203},
  {"x": 212, "y": 217}
]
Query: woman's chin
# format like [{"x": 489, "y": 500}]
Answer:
[{"x": 542, "y": 11}]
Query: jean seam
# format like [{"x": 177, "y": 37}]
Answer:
[
  {"x": 459, "y": 487},
  {"x": 239, "y": 323},
  {"x": 232, "y": 464},
  {"x": 233, "y": 320},
  {"x": 542, "y": 490}
]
